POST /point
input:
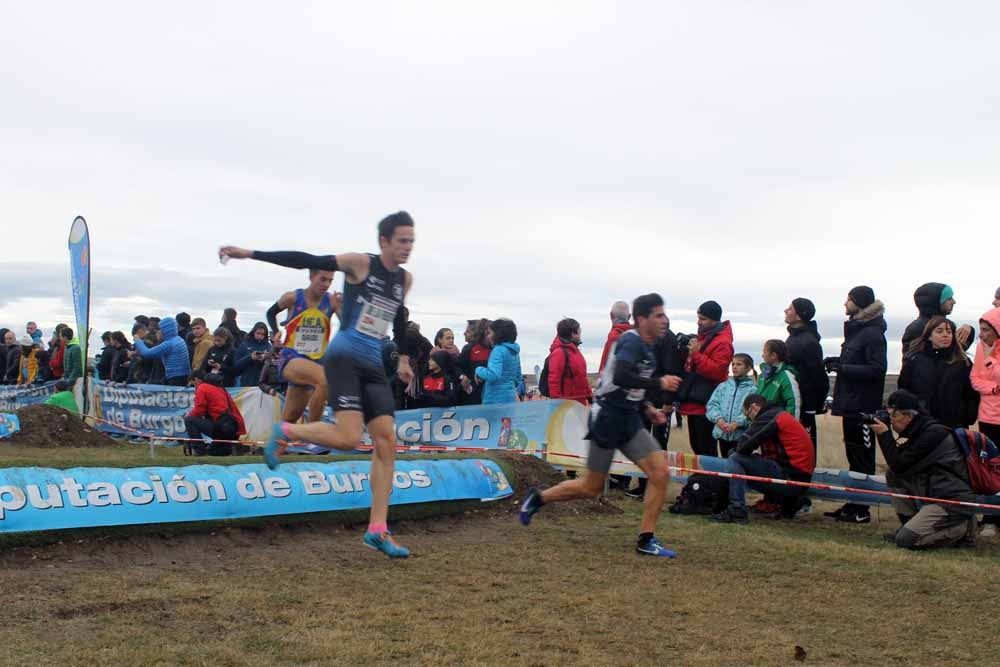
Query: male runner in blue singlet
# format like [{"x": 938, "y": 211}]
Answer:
[{"x": 375, "y": 288}]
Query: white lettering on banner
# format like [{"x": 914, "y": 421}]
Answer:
[
  {"x": 249, "y": 487},
  {"x": 177, "y": 489},
  {"x": 444, "y": 430},
  {"x": 277, "y": 487},
  {"x": 317, "y": 483}
]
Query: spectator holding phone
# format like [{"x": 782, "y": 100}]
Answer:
[{"x": 251, "y": 356}]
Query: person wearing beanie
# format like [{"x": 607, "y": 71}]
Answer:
[
  {"x": 932, "y": 300},
  {"x": 709, "y": 356},
  {"x": 925, "y": 462},
  {"x": 860, "y": 369},
  {"x": 805, "y": 355},
  {"x": 996, "y": 298}
]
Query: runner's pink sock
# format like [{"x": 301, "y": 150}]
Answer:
[
  {"x": 285, "y": 426},
  {"x": 377, "y": 528}
]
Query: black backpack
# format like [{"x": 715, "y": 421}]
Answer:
[
  {"x": 543, "y": 379},
  {"x": 702, "y": 494}
]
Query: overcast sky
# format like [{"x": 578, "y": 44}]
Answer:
[{"x": 555, "y": 156}]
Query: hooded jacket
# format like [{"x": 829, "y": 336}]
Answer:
[
  {"x": 244, "y": 363},
  {"x": 711, "y": 361},
  {"x": 862, "y": 363},
  {"x": 985, "y": 376},
  {"x": 727, "y": 404},
  {"x": 172, "y": 351},
  {"x": 780, "y": 384},
  {"x": 944, "y": 389},
  {"x": 211, "y": 401},
  {"x": 927, "y": 299},
  {"x": 616, "y": 332},
  {"x": 568, "y": 372},
  {"x": 502, "y": 374},
  {"x": 805, "y": 354},
  {"x": 930, "y": 461}
]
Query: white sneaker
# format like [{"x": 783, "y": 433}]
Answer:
[
  {"x": 988, "y": 530},
  {"x": 807, "y": 508}
]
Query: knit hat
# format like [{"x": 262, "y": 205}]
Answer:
[
  {"x": 27, "y": 341},
  {"x": 804, "y": 308},
  {"x": 903, "y": 400},
  {"x": 711, "y": 310},
  {"x": 862, "y": 295},
  {"x": 947, "y": 293}
]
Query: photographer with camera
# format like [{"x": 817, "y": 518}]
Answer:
[
  {"x": 252, "y": 354},
  {"x": 924, "y": 461},
  {"x": 708, "y": 356},
  {"x": 860, "y": 370},
  {"x": 214, "y": 416}
]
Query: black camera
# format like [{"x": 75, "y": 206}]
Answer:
[
  {"x": 683, "y": 340},
  {"x": 868, "y": 418}
]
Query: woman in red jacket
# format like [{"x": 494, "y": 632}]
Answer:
[
  {"x": 707, "y": 366},
  {"x": 567, "y": 367}
]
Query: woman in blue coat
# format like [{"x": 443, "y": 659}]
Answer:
[{"x": 502, "y": 375}]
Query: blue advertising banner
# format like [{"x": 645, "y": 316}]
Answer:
[
  {"x": 48, "y": 499},
  {"x": 13, "y": 397},
  {"x": 532, "y": 425},
  {"x": 79, "y": 272},
  {"x": 9, "y": 424}
]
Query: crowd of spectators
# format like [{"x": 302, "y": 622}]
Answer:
[{"x": 729, "y": 408}]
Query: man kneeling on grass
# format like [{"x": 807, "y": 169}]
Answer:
[
  {"x": 925, "y": 461},
  {"x": 786, "y": 452}
]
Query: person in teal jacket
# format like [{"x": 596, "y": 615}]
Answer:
[
  {"x": 725, "y": 407},
  {"x": 779, "y": 382},
  {"x": 502, "y": 375}
]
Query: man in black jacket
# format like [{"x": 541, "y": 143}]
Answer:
[
  {"x": 860, "y": 370},
  {"x": 926, "y": 461},
  {"x": 805, "y": 354},
  {"x": 933, "y": 299}
]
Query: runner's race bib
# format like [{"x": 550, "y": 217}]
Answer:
[
  {"x": 374, "y": 320},
  {"x": 308, "y": 333}
]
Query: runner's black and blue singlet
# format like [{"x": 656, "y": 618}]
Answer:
[{"x": 368, "y": 313}]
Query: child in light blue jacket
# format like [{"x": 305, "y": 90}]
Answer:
[{"x": 725, "y": 407}]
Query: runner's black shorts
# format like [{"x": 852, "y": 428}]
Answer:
[{"x": 352, "y": 384}]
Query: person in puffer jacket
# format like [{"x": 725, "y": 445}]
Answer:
[
  {"x": 725, "y": 408},
  {"x": 931, "y": 300},
  {"x": 502, "y": 375},
  {"x": 173, "y": 351},
  {"x": 567, "y": 366}
]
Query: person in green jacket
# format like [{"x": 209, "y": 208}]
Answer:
[
  {"x": 72, "y": 358},
  {"x": 63, "y": 398},
  {"x": 779, "y": 382}
]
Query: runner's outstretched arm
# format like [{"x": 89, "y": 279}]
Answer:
[{"x": 351, "y": 262}]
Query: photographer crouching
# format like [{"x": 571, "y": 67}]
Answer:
[{"x": 924, "y": 460}]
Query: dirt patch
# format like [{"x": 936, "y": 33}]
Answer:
[
  {"x": 49, "y": 426},
  {"x": 533, "y": 472}
]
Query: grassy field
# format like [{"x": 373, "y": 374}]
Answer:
[{"x": 483, "y": 590}]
